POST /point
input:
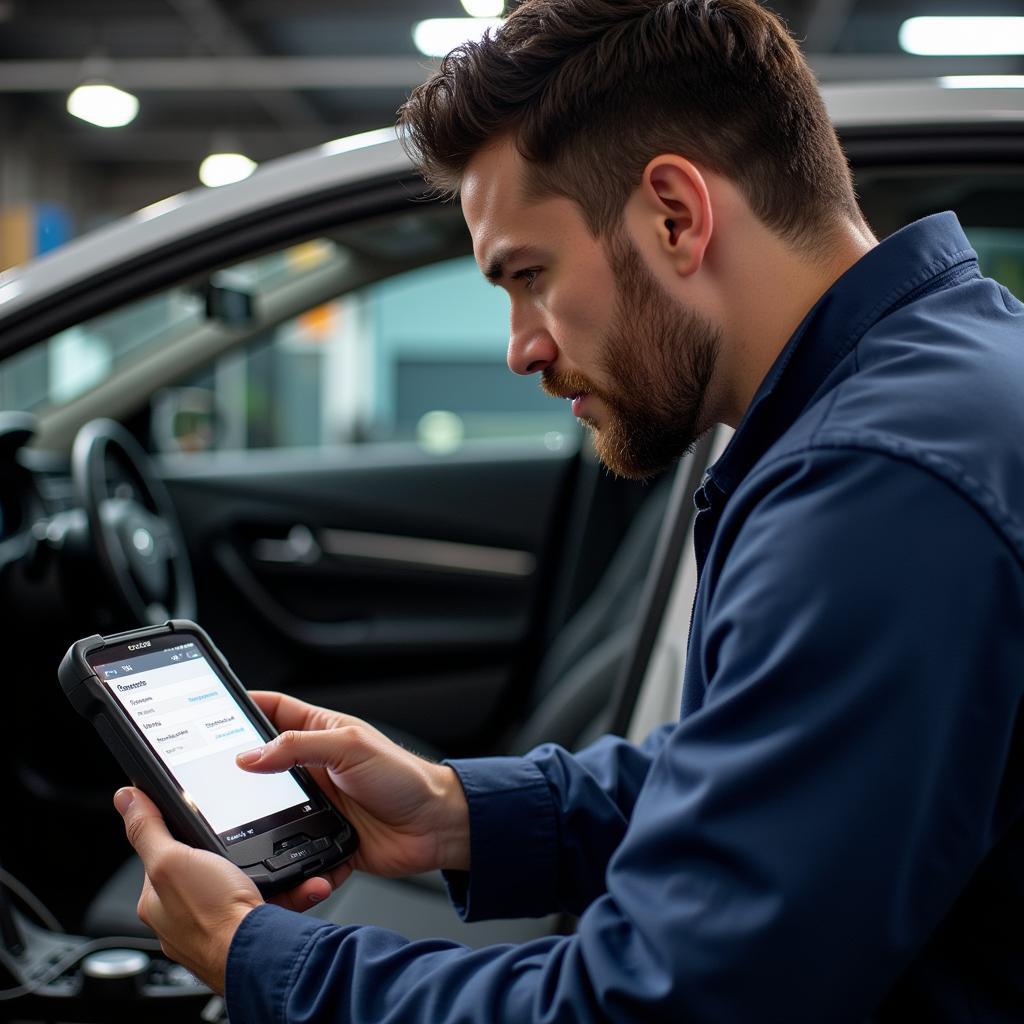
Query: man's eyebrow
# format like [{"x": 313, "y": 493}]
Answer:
[{"x": 495, "y": 269}]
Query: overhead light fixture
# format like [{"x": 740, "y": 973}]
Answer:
[
  {"x": 484, "y": 8},
  {"x": 982, "y": 81},
  {"x": 225, "y": 169},
  {"x": 962, "y": 36},
  {"x": 103, "y": 105},
  {"x": 437, "y": 37}
]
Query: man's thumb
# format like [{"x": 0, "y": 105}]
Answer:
[{"x": 143, "y": 823}]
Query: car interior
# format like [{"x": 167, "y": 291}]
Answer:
[{"x": 311, "y": 420}]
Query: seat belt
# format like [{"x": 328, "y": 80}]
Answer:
[{"x": 660, "y": 580}]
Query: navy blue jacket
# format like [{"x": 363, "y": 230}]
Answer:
[{"x": 832, "y": 831}]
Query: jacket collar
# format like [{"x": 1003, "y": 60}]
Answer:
[{"x": 902, "y": 267}]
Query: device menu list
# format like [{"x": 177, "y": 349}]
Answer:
[{"x": 193, "y": 723}]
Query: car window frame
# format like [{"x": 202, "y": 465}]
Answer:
[{"x": 191, "y": 257}]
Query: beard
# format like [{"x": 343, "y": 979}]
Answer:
[{"x": 659, "y": 358}]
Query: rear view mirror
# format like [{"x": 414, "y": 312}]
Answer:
[{"x": 231, "y": 307}]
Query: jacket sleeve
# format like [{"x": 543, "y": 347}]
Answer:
[
  {"x": 796, "y": 840},
  {"x": 543, "y": 827}
]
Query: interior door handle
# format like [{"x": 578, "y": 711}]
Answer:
[
  {"x": 300, "y": 547},
  {"x": 417, "y": 634}
]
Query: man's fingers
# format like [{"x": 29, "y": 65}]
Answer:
[
  {"x": 143, "y": 825},
  {"x": 290, "y": 713},
  {"x": 302, "y": 897},
  {"x": 337, "y": 875},
  {"x": 313, "y": 890},
  {"x": 334, "y": 749}
]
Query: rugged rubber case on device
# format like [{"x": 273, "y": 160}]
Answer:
[{"x": 92, "y": 699}]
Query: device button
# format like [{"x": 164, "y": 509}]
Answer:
[
  {"x": 320, "y": 844},
  {"x": 291, "y": 856},
  {"x": 291, "y": 842}
]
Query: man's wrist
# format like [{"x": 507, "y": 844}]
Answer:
[
  {"x": 225, "y": 937},
  {"x": 452, "y": 820}
]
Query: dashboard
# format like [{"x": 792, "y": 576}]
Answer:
[
  {"x": 59, "y": 570},
  {"x": 35, "y": 492},
  {"x": 19, "y": 499}
]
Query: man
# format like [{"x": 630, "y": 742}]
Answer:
[{"x": 832, "y": 829}]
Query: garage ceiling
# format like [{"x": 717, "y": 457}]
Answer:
[{"x": 271, "y": 76}]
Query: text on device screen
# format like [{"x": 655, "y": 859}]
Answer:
[{"x": 194, "y": 725}]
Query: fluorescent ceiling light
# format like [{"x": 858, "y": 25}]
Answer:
[
  {"x": 484, "y": 8},
  {"x": 225, "y": 169},
  {"x": 982, "y": 81},
  {"x": 968, "y": 37},
  {"x": 437, "y": 37},
  {"x": 105, "y": 105}
]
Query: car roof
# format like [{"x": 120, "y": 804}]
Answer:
[
  {"x": 378, "y": 154},
  {"x": 369, "y": 156}
]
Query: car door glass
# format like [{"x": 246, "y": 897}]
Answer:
[
  {"x": 988, "y": 201},
  {"x": 74, "y": 361},
  {"x": 77, "y": 359},
  {"x": 419, "y": 356},
  {"x": 386, "y": 331}
]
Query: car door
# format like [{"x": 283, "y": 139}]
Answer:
[
  {"x": 376, "y": 525},
  {"x": 380, "y": 517}
]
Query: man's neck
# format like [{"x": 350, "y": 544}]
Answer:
[{"x": 775, "y": 287}]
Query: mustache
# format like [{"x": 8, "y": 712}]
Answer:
[{"x": 565, "y": 385}]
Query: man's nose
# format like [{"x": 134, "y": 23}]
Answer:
[{"x": 531, "y": 349}]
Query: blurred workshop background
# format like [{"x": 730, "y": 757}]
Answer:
[{"x": 107, "y": 106}]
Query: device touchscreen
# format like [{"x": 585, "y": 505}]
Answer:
[{"x": 189, "y": 718}]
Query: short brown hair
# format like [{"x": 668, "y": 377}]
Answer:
[{"x": 593, "y": 89}]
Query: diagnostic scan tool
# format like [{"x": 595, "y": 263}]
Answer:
[{"x": 167, "y": 704}]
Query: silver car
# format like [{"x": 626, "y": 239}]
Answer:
[{"x": 282, "y": 407}]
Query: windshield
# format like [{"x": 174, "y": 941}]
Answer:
[{"x": 74, "y": 361}]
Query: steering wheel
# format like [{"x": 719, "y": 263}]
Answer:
[{"x": 134, "y": 528}]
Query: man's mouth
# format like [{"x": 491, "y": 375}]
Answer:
[
  {"x": 577, "y": 399},
  {"x": 573, "y": 387}
]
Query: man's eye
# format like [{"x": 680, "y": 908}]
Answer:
[{"x": 529, "y": 275}]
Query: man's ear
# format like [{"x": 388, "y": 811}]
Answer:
[{"x": 675, "y": 205}]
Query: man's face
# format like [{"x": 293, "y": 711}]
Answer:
[{"x": 592, "y": 319}]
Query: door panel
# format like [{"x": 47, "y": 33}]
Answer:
[{"x": 382, "y": 581}]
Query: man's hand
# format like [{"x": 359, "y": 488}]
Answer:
[
  {"x": 411, "y": 815},
  {"x": 193, "y": 899}
]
